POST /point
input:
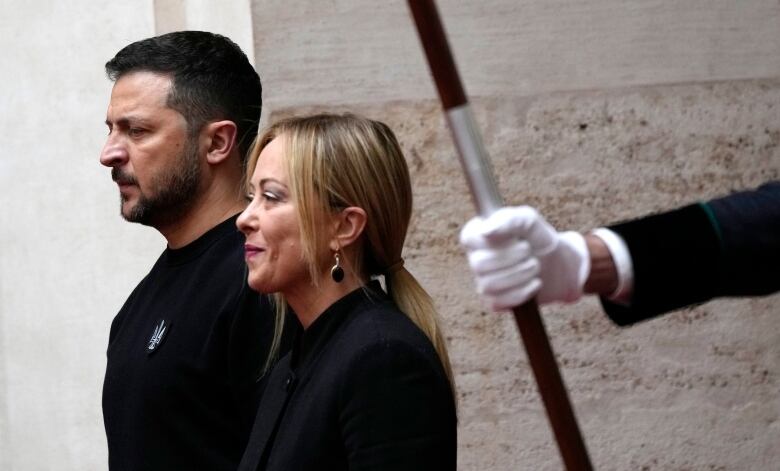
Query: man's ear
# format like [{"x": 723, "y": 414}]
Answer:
[
  {"x": 348, "y": 226},
  {"x": 221, "y": 139}
]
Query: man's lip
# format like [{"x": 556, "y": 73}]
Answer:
[
  {"x": 125, "y": 187},
  {"x": 124, "y": 181}
]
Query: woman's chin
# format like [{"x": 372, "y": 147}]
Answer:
[{"x": 259, "y": 285}]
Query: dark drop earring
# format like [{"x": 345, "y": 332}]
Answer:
[{"x": 337, "y": 273}]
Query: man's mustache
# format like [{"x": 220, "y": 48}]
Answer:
[{"x": 122, "y": 178}]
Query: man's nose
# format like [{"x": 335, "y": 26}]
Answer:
[{"x": 114, "y": 153}]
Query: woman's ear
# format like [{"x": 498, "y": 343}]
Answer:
[
  {"x": 221, "y": 140},
  {"x": 348, "y": 226}
]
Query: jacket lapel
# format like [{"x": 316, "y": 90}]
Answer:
[{"x": 277, "y": 392}]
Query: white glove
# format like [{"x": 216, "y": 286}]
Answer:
[{"x": 515, "y": 255}]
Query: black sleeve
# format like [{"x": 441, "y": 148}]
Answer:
[
  {"x": 398, "y": 411},
  {"x": 726, "y": 247},
  {"x": 749, "y": 223}
]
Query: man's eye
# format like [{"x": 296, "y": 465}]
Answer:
[{"x": 135, "y": 132}]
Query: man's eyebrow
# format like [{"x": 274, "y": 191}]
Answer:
[{"x": 127, "y": 120}]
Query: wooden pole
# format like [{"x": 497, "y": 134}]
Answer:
[{"x": 487, "y": 199}]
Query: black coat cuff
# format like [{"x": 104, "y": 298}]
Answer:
[{"x": 675, "y": 257}]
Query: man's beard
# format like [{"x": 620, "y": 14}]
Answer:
[{"x": 174, "y": 190}]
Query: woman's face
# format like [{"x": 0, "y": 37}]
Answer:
[{"x": 273, "y": 249}]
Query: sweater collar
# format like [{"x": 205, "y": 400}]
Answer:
[{"x": 201, "y": 244}]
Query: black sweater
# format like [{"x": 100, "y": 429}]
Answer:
[{"x": 184, "y": 356}]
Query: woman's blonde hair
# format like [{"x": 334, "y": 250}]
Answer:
[{"x": 338, "y": 161}]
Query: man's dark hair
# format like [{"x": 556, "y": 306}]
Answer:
[{"x": 212, "y": 79}]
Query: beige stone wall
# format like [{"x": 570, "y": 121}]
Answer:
[{"x": 593, "y": 111}]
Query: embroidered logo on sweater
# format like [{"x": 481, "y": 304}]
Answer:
[{"x": 157, "y": 336}]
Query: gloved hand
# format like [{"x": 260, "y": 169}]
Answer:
[{"x": 515, "y": 255}]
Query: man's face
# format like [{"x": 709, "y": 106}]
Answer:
[{"x": 152, "y": 158}]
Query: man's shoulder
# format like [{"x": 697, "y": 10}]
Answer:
[{"x": 213, "y": 279}]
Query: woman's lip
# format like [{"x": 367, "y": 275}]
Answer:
[{"x": 251, "y": 250}]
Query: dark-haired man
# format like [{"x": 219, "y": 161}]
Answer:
[{"x": 187, "y": 348}]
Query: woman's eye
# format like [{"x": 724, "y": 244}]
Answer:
[
  {"x": 269, "y": 196},
  {"x": 249, "y": 197}
]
